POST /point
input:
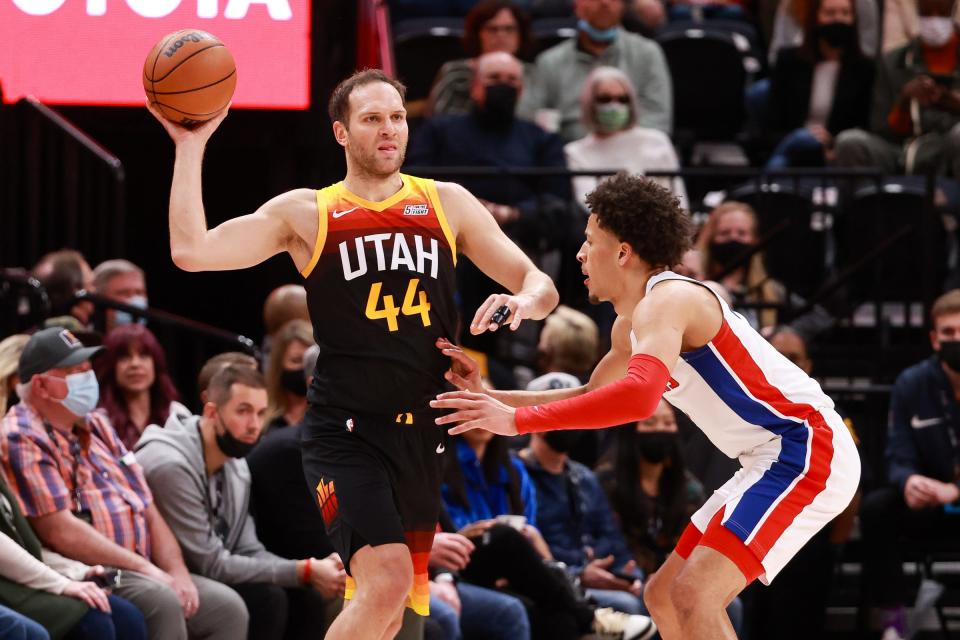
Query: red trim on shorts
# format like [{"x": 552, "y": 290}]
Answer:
[
  {"x": 688, "y": 540},
  {"x": 721, "y": 539}
]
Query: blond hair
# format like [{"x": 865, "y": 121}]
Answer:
[
  {"x": 761, "y": 288},
  {"x": 10, "y": 350},
  {"x": 293, "y": 331},
  {"x": 573, "y": 339},
  {"x": 947, "y": 304}
]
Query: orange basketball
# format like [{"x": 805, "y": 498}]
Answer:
[{"x": 189, "y": 76}]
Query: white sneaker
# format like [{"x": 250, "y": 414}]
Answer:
[
  {"x": 606, "y": 621},
  {"x": 890, "y": 633}
]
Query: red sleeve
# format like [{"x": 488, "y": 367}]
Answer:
[{"x": 632, "y": 398}]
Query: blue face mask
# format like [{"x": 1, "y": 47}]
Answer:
[
  {"x": 83, "y": 393},
  {"x": 124, "y": 317},
  {"x": 598, "y": 35}
]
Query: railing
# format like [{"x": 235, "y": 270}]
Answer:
[
  {"x": 374, "y": 42},
  {"x": 58, "y": 188}
]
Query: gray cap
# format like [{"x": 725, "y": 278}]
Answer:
[
  {"x": 52, "y": 348},
  {"x": 554, "y": 380}
]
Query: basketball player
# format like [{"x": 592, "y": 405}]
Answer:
[
  {"x": 377, "y": 252},
  {"x": 675, "y": 338}
]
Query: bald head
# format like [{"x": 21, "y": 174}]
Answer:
[
  {"x": 494, "y": 68},
  {"x": 284, "y": 304}
]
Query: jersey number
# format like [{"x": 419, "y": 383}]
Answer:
[{"x": 390, "y": 312}]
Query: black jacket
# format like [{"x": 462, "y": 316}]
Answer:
[{"x": 791, "y": 83}]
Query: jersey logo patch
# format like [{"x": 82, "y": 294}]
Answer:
[
  {"x": 672, "y": 384},
  {"x": 416, "y": 210}
]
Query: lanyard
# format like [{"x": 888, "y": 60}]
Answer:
[{"x": 75, "y": 452}]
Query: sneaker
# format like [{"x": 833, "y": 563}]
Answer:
[
  {"x": 893, "y": 621},
  {"x": 608, "y": 622}
]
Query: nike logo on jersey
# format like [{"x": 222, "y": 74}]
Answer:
[
  {"x": 340, "y": 214},
  {"x": 917, "y": 423},
  {"x": 441, "y": 448}
]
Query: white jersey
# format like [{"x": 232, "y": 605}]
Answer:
[{"x": 737, "y": 388}]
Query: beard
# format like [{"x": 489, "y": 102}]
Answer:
[{"x": 370, "y": 164}]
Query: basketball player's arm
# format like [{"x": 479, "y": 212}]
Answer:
[
  {"x": 480, "y": 238},
  {"x": 659, "y": 322}
]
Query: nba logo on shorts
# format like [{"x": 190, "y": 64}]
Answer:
[
  {"x": 350, "y": 425},
  {"x": 672, "y": 384},
  {"x": 416, "y": 210}
]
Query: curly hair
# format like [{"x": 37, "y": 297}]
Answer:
[{"x": 643, "y": 214}]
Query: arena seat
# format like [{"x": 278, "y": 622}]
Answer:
[{"x": 421, "y": 46}]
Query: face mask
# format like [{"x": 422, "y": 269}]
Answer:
[
  {"x": 230, "y": 445},
  {"x": 837, "y": 34},
  {"x": 499, "y": 106},
  {"x": 562, "y": 441},
  {"x": 294, "y": 381},
  {"x": 597, "y": 35},
  {"x": 935, "y": 31},
  {"x": 83, "y": 393},
  {"x": 612, "y": 117},
  {"x": 950, "y": 354},
  {"x": 655, "y": 447},
  {"x": 725, "y": 252},
  {"x": 124, "y": 317}
]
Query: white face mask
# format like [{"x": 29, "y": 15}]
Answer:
[
  {"x": 83, "y": 393},
  {"x": 935, "y": 31}
]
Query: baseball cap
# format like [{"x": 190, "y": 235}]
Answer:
[{"x": 51, "y": 349}]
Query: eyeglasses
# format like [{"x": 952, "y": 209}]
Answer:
[
  {"x": 506, "y": 29},
  {"x": 605, "y": 99}
]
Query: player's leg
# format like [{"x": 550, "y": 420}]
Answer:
[
  {"x": 656, "y": 595},
  {"x": 701, "y": 591},
  {"x": 383, "y": 575}
]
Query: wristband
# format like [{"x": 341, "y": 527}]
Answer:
[{"x": 307, "y": 569}]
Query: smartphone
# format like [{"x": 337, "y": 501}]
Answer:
[{"x": 108, "y": 579}]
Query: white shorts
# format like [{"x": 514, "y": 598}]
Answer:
[{"x": 774, "y": 522}]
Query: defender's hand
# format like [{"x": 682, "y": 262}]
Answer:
[
  {"x": 475, "y": 411},
  {"x": 464, "y": 373}
]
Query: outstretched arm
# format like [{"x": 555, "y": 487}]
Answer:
[
  {"x": 238, "y": 243},
  {"x": 480, "y": 238},
  {"x": 659, "y": 321}
]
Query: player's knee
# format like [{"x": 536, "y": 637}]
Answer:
[
  {"x": 656, "y": 595},
  {"x": 688, "y": 596},
  {"x": 393, "y": 581}
]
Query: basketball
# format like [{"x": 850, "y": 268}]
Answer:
[{"x": 189, "y": 76}]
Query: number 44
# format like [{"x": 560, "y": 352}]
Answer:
[{"x": 390, "y": 312}]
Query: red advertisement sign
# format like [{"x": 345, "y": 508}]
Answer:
[{"x": 92, "y": 51}]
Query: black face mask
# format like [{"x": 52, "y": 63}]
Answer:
[
  {"x": 725, "y": 252},
  {"x": 294, "y": 381},
  {"x": 499, "y": 106},
  {"x": 229, "y": 445},
  {"x": 837, "y": 34},
  {"x": 562, "y": 441},
  {"x": 655, "y": 447},
  {"x": 950, "y": 354}
]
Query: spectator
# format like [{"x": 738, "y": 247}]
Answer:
[
  {"x": 218, "y": 362},
  {"x": 609, "y": 111},
  {"x": 196, "y": 468},
  {"x": 63, "y": 273},
  {"x": 601, "y": 41},
  {"x": 921, "y": 454},
  {"x": 283, "y": 304},
  {"x": 652, "y": 492},
  {"x": 17, "y": 626},
  {"x": 916, "y": 105},
  {"x": 819, "y": 88},
  {"x": 60, "y": 596},
  {"x": 578, "y": 524},
  {"x": 286, "y": 385},
  {"x": 790, "y": 26},
  {"x": 901, "y": 24},
  {"x": 729, "y": 233},
  {"x": 483, "y": 484},
  {"x": 534, "y": 213},
  {"x": 491, "y": 26},
  {"x": 10, "y": 350},
  {"x": 86, "y": 497},
  {"x": 123, "y": 281},
  {"x": 137, "y": 389}
]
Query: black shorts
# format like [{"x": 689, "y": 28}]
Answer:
[{"x": 377, "y": 481}]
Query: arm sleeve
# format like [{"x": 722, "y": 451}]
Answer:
[{"x": 634, "y": 397}]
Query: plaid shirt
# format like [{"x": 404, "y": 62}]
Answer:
[{"x": 109, "y": 483}]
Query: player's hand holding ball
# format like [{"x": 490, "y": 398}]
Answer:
[{"x": 189, "y": 77}]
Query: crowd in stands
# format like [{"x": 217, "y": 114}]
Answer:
[{"x": 130, "y": 511}]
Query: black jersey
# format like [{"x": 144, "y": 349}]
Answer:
[{"x": 380, "y": 289}]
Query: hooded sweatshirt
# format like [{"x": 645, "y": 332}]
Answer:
[{"x": 172, "y": 460}]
